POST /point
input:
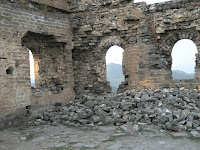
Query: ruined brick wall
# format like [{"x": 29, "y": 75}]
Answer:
[
  {"x": 48, "y": 36},
  {"x": 95, "y": 31},
  {"x": 143, "y": 31},
  {"x": 69, "y": 41},
  {"x": 165, "y": 24},
  {"x": 172, "y": 22}
]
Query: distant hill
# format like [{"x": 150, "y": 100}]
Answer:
[
  {"x": 181, "y": 75},
  {"x": 114, "y": 75}
]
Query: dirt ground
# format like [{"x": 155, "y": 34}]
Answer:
[{"x": 99, "y": 138}]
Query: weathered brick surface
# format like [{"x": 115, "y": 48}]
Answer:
[
  {"x": 70, "y": 39},
  {"x": 95, "y": 35},
  {"x": 174, "y": 21},
  {"x": 60, "y": 4},
  {"x": 15, "y": 89},
  {"x": 147, "y": 33}
]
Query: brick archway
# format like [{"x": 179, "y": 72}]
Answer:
[
  {"x": 107, "y": 42},
  {"x": 100, "y": 56},
  {"x": 103, "y": 47},
  {"x": 168, "y": 40}
]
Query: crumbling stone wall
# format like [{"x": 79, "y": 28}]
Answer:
[
  {"x": 69, "y": 41},
  {"x": 48, "y": 36},
  {"x": 172, "y": 22},
  {"x": 147, "y": 33},
  {"x": 95, "y": 31}
]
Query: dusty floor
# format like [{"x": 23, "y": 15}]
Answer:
[{"x": 101, "y": 138}]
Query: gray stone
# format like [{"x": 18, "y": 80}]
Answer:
[
  {"x": 195, "y": 134},
  {"x": 64, "y": 117},
  {"x": 144, "y": 97},
  {"x": 186, "y": 99},
  {"x": 181, "y": 134},
  {"x": 83, "y": 115},
  {"x": 55, "y": 123},
  {"x": 115, "y": 146},
  {"x": 136, "y": 127},
  {"x": 189, "y": 124},
  {"x": 198, "y": 128},
  {"x": 23, "y": 138},
  {"x": 102, "y": 114},
  {"x": 122, "y": 109},
  {"x": 107, "y": 120},
  {"x": 127, "y": 128},
  {"x": 92, "y": 145},
  {"x": 84, "y": 121},
  {"x": 38, "y": 120},
  {"x": 96, "y": 119}
]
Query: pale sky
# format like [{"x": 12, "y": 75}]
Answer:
[
  {"x": 183, "y": 56},
  {"x": 114, "y": 55},
  {"x": 31, "y": 61}
]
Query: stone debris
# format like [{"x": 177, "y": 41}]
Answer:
[{"x": 169, "y": 109}]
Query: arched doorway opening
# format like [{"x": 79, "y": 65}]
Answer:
[
  {"x": 114, "y": 73},
  {"x": 183, "y": 60}
]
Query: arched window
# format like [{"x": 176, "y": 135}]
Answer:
[
  {"x": 32, "y": 73},
  {"x": 114, "y": 71},
  {"x": 183, "y": 60}
]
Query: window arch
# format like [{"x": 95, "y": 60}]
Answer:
[
  {"x": 183, "y": 59},
  {"x": 114, "y": 73}
]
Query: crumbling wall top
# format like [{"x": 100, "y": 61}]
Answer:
[
  {"x": 175, "y": 4},
  {"x": 59, "y": 4},
  {"x": 85, "y": 5}
]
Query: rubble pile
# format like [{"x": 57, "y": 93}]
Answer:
[{"x": 170, "y": 109}]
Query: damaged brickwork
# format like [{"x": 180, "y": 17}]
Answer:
[
  {"x": 47, "y": 34},
  {"x": 146, "y": 33},
  {"x": 69, "y": 40}
]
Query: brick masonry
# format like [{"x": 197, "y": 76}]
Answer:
[
  {"x": 69, "y": 41},
  {"x": 17, "y": 25}
]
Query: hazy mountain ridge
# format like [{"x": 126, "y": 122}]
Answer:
[
  {"x": 181, "y": 75},
  {"x": 114, "y": 75}
]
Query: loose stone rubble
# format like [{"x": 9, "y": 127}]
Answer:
[{"x": 169, "y": 109}]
